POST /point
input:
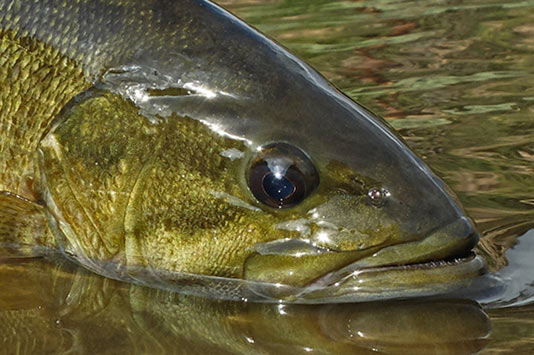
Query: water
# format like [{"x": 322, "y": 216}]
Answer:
[{"x": 457, "y": 79}]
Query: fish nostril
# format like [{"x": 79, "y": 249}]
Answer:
[{"x": 378, "y": 196}]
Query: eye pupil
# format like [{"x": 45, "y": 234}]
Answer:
[{"x": 278, "y": 186}]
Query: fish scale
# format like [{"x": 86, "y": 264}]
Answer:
[{"x": 30, "y": 101}]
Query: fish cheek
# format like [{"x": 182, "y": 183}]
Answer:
[
  {"x": 189, "y": 212},
  {"x": 89, "y": 165},
  {"x": 175, "y": 223}
]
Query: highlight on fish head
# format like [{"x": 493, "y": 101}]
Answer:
[{"x": 222, "y": 159}]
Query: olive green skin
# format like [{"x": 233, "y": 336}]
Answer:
[{"x": 118, "y": 117}]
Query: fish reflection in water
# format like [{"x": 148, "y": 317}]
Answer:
[{"x": 62, "y": 308}]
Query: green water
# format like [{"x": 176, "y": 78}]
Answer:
[{"x": 457, "y": 79}]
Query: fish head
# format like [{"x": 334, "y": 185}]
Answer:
[
  {"x": 377, "y": 217},
  {"x": 237, "y": 160}
]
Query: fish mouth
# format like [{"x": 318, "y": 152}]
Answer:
[
  {"x": 453, "y": 241},
  {"x": 430, "y": 264},
  {"x": 442, "y": 262},
  {"x": 452, "y": 255},
  {"x": 367, "y": 280},
  {"x": 354, "y": 270}
]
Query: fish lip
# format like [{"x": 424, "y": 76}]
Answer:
[
  {"x": 457, "y": 249},
  {"x": 455, "y": 239},
  {"x": 430, "y": 264},
  {"x": 466, "y": 255},
  {"x": 464, "y": 277},
  {"x": 335, "y": 278}
]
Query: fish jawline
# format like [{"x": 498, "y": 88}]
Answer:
[{"x": 435, "y": 278}]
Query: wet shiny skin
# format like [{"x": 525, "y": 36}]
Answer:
[{"x": 134, "y": 179}]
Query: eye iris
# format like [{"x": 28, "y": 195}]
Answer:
[
  {"x": 281, "y": 175},
  {"x": 278, "y": 186}
]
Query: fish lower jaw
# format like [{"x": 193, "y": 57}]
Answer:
[
  {"x": 431, "y": 278},
  {"x": 353, "y": 271}
]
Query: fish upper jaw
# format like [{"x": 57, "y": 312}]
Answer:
[{"x": 455, "y": 239}]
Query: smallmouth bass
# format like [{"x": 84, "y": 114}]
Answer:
[{"x": 167, "y": 143}]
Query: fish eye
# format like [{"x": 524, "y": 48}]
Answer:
[{"x": 281, "y": 175}]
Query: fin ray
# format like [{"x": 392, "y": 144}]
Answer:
[{"x": 23, "y": 227}]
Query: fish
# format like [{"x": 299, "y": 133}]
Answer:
[{"x": 170, "y": 144}]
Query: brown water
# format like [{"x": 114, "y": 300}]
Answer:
[{"x": 457, "y": 79}]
